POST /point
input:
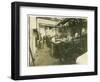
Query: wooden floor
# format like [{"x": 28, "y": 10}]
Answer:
[{"x": 43, "y": 57}]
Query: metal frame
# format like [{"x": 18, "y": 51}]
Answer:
[{"x": 15, "y": 40}]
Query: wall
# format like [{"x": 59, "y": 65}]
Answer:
[
  {"x": 5, "y": 40},
  {"x": 32, "y": 25}
]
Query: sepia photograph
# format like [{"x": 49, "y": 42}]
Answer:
[{"x": 57, "y": 40}]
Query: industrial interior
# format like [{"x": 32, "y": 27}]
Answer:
[{"x": 55, "y": 40}]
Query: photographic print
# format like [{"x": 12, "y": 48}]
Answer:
[
  {"x": 57, "y": 40},
  {"x": 53, "y": 40}
]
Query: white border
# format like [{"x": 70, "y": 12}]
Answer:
[{"x": 25, "y": 70}]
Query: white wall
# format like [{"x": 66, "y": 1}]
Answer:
[
  {"x": 5, "y": 40},
  {"x": 32, "y": 25}
]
